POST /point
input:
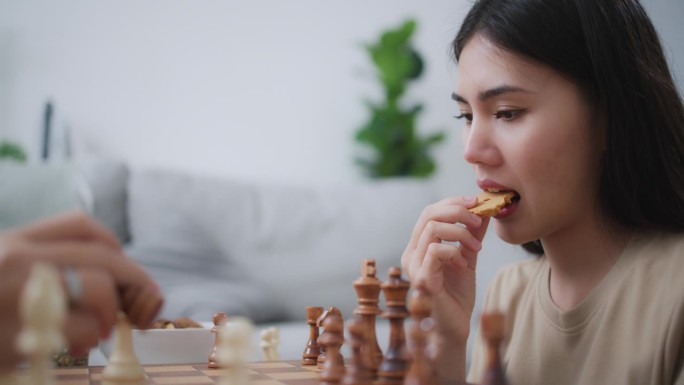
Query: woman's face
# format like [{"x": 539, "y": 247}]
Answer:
[{"x": 527, "y": 128}]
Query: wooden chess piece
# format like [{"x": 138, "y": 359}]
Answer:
[
  {"x": 270, "y": 339},
  {"x": 368, "y": 292},
  {"x": 234, "y": 351},
  {"x": 312, "y": 350},
  {"x": 393, "y": 368},
  {"x": 493, "y": 327},
  {"x": 357, "y": 373},
  {"x": 421, "y": 370},
  {"x": 43, "y": 311},
  {"x": 420, "y": 304},
  {"x": 332, "y": 310},
  {"x": 332, "y": 339},
  {"x": 219, "y": 321},
  {"x": 123, "y": 366}
]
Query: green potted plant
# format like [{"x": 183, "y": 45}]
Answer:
[
  {"x": 11, "y": 151},
  {"x": 391, "y": 130}
]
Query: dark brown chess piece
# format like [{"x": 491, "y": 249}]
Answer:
[
  {"x": 312, "y": 350},
  {"x": 393, "y": 368},
  {"x": 421, "y": 370},
  {"x": 332, "y": 339},
  {"x": 319, "y": 323},
  {"x": 357, "y": 373},
  {"x": 368, "y": 292},
  {"x": 493, "y": 328},
  {"x": 219, "y": 320}
]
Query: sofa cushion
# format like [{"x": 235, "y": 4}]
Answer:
[
  {"x": 301, "y": 244},
  {"x": 107, "y": 179}
]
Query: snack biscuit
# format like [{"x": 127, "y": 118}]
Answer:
[{"x": 490, "y": 204}]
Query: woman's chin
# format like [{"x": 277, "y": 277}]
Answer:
[{"x": 505, "y": 234}]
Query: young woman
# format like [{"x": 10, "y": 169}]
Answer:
[{"x": 571, "y": 105}]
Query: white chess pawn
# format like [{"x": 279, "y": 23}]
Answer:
[
  {"x": 43, "y": 310},
  {"x": 270, "y": 339},
  {"x": 123, "y": 366},
  {"x": 234, "y": 351}
]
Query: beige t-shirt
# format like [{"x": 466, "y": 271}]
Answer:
[{"x": 629, "y": 330}]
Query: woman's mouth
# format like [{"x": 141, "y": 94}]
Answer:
[
  {"x": 509, "y": 208},
  {"x": 515, "y": 198}
]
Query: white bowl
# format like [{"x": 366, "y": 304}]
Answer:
[{"x": 168, "y": 346}]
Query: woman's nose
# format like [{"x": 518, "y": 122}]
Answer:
[{"x": 479, "y": 144}]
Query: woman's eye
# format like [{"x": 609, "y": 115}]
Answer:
[
  {"x": 466, "y": 116},
  {"x": 507, "y": 114}
]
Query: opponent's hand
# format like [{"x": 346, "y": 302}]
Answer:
[
  {"x": 75, "y": 241},
  {"x": 447, "y": 270}
]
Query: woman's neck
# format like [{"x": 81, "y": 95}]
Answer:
[{"x": 580, "y": 258}]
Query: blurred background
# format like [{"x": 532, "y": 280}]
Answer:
[{"x": 263, "y": 90}]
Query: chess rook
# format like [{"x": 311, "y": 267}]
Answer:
[
  {"x": 312, "y": 350},
  {"x": 393, "y": 368},
  {"x": 368, "y": 288}
]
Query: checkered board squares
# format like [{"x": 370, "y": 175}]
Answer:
[{"x": 261, "y": 373}]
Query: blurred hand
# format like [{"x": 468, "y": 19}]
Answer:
[{"x": 109, "y": 280}]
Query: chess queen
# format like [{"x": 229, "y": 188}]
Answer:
[{"x": 570, "y": 106}]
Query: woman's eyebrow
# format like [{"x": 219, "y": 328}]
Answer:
[{"x": 490, "y": 93}]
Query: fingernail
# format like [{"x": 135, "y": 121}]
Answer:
[
  {"x": 470, "y": 199},
  {"x": 477, "y": 220}
]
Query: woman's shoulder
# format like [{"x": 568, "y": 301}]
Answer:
[
  {"x": 659, "y": 250},
  {"x": 512, "y": 281},
  {"x": 520, "y": 272},
  {"x": 653, "y": 269}
]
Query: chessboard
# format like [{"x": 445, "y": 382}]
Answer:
[{"x": 261, "y": 373}]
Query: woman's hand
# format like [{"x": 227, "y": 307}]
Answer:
[
  {"x": 73, "y": 241},
  {"x": 442, "y": 256}
]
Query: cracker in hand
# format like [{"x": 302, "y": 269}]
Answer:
[{"x": 490, "y": 204}]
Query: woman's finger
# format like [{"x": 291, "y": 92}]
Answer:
[
  {"x": 88, "y": 254},
  {"x": 81, "y": 330},
  {"x": 436, "y": 232},
  {"x": 437, "y": 257},
  {"x": 469, "y": 253},
  {"x": 75, "y": 225},
  {"x": 98, "y": 296},
  {"x": 447, "y": 210}
]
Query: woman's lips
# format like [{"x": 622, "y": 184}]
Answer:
[{"x": 509, "y": 209}]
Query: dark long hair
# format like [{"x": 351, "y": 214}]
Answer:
[{"x": 612, "y": 51}]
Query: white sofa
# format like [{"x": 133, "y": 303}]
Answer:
[{"x": 262, "y": 250}]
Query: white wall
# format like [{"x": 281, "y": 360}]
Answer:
[{"x": 262, "y": 89}]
